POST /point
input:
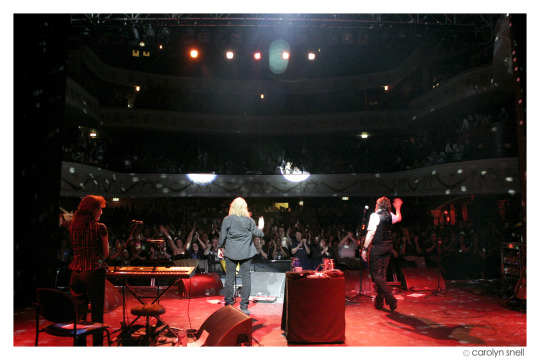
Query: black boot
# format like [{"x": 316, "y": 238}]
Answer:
[
  {"x": 392, "y": 303},
  {"x": 379, "y": 302}
]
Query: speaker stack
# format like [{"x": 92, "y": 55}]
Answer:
[
  {"x": 199, "y": 285},
  {"x": 353, "y": 284},
  {"x": 423, "y": 279},
  {"x": 270, "y": 284}
]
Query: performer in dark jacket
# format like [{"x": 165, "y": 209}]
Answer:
[
  {"x": 236, "y": 238},
  {"x": 379, "y": 232}
]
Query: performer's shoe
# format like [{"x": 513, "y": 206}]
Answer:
[
  {"x": 245, "y": 311},
  {"x": 379, "y": 303},
  {"x": 393, "y": 305}
]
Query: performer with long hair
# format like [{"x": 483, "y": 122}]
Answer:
[
  {"x": 90, "y": 244},
  {"x": 379, "y": 232},
  {"x": 236, "y": 243}
]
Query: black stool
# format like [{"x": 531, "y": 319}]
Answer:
[{"x": 149, "y": 310}]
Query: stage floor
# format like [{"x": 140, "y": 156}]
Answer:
[{"x": 465, "y": 314}]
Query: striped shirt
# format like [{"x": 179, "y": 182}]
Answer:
[{"x": 86, "y": 242}]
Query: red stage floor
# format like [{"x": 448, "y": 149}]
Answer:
[{"x": 465, "y": 314}]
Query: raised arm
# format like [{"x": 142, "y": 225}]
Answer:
[
  {"x": 187, "y": 245},
  {"x": 203, "y": 245},
  {"x": 397, "y": 205},
  {"x": 169, "y": 239}
]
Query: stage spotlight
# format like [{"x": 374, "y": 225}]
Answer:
[
  {"x": 296, "y": 177},
  {"x": 278, "y": 61},
  {"x": 202, "y": 179},
  {"x": 257, "y": 55},
  {"x": 229, "y": 55},
  {"x": 194, "y": 53},
  {"x": 311, "y": 56}
]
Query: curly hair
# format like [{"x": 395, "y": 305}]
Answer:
[
  {"x": 383, "y": 203},
  {"x": 85, "y": 211},
  {"x": 239, "y": 207}
]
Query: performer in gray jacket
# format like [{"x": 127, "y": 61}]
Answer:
[{"x": 236, "y": 239}]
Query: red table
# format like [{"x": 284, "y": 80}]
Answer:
[{"x": 313, "y": 308}]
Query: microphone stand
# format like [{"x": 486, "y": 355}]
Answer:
[
  {"x": 362, "y": 232},
  {"x": 124, "y": 287},
  {"x": 122, "y": 257}
]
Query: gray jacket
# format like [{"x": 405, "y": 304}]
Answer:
[{"x": 236, "y": 237}]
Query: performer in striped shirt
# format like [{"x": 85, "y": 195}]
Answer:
[{"x": 90, "y": 244}]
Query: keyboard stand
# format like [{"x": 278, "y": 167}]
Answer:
[{"x": 161, "y": 324}]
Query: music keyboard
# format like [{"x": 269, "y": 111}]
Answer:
[{"x": 148, "y": 272}]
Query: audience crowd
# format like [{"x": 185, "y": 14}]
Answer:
[
  {"x": 464, "y": 250},
  {"x": 471, "y": 138}
]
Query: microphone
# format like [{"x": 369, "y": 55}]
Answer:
[{"x": 136, "y": 222}]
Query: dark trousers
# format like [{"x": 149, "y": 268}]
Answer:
[
  {"x": 85, "y": 287},
  {"x": 245, "y": 275},
  {"x": 378, "y": 265}
]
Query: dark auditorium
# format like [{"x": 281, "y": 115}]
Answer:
[{"x": 271, "y": 180}]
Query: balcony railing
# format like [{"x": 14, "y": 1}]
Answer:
[{"x": 493, "y": 176}]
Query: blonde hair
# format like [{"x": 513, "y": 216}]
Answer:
[{"x": 239, "y": 207}]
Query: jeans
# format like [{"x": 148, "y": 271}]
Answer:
[
  {"x": 230, "y": 276},
  {"x": 378, "y": 265},
  {"x": 89, "y": 286}
]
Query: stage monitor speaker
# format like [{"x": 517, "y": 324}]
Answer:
[
  {"x": 423, "y": 279},
  {"x": 227, "y": 327},
  {"x": 267, "y": 284},
  {"x": 263, "y": 265},
  {"x": 200, "y": 285},
  {"x": 352, "y": 282},
  {"x": 113, "y": 298}
]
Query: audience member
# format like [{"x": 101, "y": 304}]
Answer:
[
  {"x": 301, "y": 250},
  {"x": 211, "y": 253},
  {"x": 118, "y": 254},
  {"x": 347, "y": 250},
  {"x": 411, "y": 250},
  {"x": 320, "y": 252},
  {"x": 433, "y": 250},
  {"x": 177, "y": 246}
]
